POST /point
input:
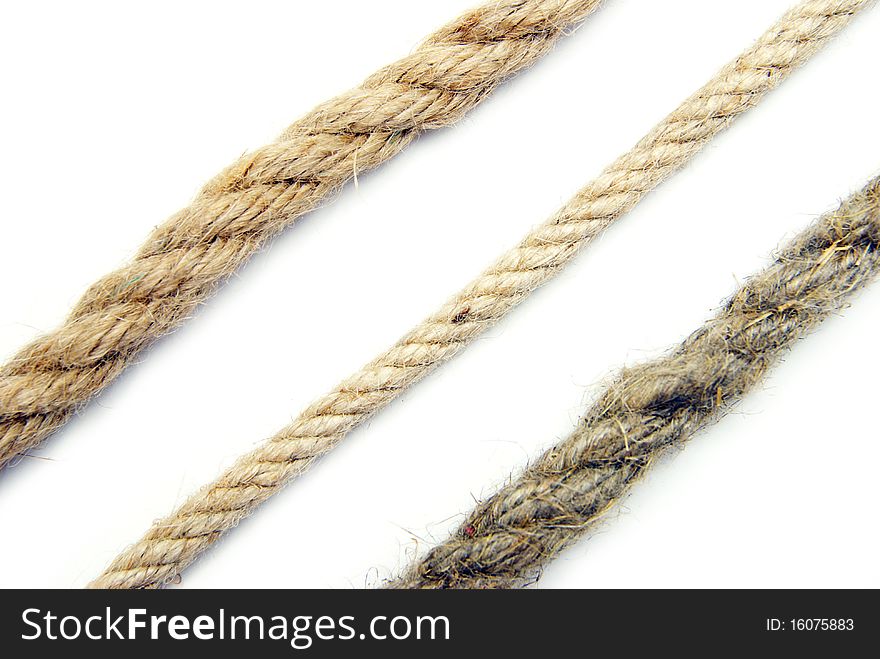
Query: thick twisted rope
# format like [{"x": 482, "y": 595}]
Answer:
[
  {"x": 184, "y": 259},
  {"x": 651, "y": 407},
  {"x": 177, "y": 540}
]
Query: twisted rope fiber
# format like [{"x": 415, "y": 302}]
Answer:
[
  {"x": 654, "y": 406},
  {"x": 174, "y": 542},
  {"x": 185, "y": 258}
]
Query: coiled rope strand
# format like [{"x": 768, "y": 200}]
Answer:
[
  {"x": 185, "y": 258},
  {"x": 175, "y": 541},
  {"x": 651, "y": 407}
]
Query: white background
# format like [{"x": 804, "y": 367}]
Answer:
[{"x": 113, "y": 115}]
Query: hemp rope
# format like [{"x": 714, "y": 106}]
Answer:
[
  {"x": 653, "y": 406},
  {"x": 184, "y": 259},
  {"x": 174, "y": 542}
]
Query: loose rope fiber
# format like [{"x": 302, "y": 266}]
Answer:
[
  {"x": 177, "y": 540},
  {"x": 184, "y": 259},
  {"x": 651, "y": 407}
]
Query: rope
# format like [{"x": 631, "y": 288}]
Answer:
[
  {"x": 177, "y": 540},
  {"x": 651, "y": 407},
  {"x": 184, "y": 259}
]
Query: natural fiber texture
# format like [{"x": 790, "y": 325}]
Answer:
[
  {"x": 184, "y": 259},
  {"x": 651, "y": 407},
  {"x": 176, "y": 540}
]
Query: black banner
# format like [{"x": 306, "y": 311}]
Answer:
[{"x": 287, "y": 623}]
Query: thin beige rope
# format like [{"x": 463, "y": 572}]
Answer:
[
  {"x": 656, "y": 405},
  {"x": 177, "y": 540},
  {"x": 240, "y": 209}
]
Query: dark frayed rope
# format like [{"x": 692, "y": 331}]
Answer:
[{"x": 651, "y": 407}]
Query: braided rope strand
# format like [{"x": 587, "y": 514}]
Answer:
[
  {"x": 184, "y": 259},
  {"x": 174, "y": 542},
  {"x": 651, "y": 407}
]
